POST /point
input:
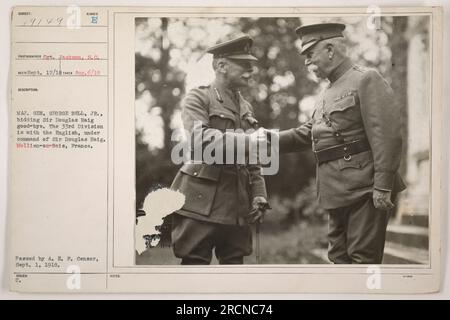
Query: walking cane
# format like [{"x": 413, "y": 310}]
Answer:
[
  {"x": 258, "y": 248},
  {"x": 257, "y": 224},
  {"x": 261, "y": 207}
]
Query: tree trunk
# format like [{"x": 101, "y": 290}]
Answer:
[{"x": 399, "y": 49}]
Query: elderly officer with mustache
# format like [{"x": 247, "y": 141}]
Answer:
[
  {"x": 222, "y": 199},
  {"x": 355, "y": 135}
]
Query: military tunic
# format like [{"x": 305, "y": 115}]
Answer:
[
  {"x": 357, "y": 106},
  {"x": 219, "y": 193},
  {"x": 216, "y": 194}
]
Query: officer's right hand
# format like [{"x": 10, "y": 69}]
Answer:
[
  {"x": 259, "y": 136},
  {"x": 266, "y": 136},
  {"x": 382, "y": 199}
]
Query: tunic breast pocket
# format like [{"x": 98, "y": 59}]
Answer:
[{"x": 346, "y": 113}]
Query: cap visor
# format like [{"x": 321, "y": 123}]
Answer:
[
  {"x": 308, "y": 46},
  {"x": 242, "y": 57}
]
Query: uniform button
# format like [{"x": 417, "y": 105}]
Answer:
[
  {"x": 222, "y": 116},
  {"x": 337, "y": 134},
  {"x": 345, "y": 148},
  {"x": 200, "y": 196},
  {"x": 196, "y": 173}
]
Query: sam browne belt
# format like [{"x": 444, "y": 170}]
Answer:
[{"x": 342, "y": 151}]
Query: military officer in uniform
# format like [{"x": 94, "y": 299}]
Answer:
[
  {"x": 221, "y": 198},
  {"x": 355, "y": 135}
]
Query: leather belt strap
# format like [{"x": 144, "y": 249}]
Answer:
[{"x": 342, "y": 151}]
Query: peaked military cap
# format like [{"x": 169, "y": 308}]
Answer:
[
  {"x": 314, "y": 33},
  {"x": 238, "y": 48}
]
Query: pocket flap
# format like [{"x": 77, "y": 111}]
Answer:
[
  {"x": 357, "y": 161},
  {"x": 202, "y": 171},
  {"x": 221, "y": 112}
]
